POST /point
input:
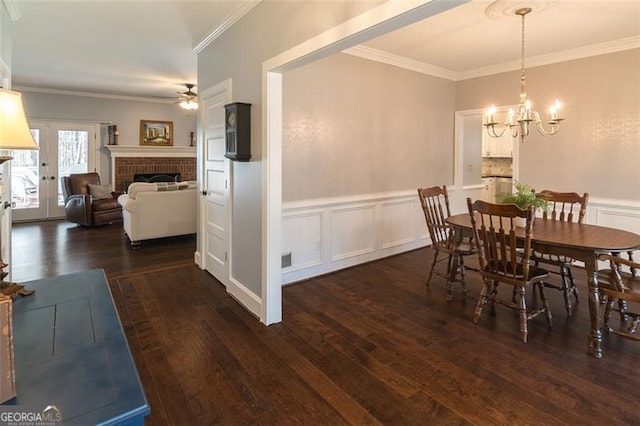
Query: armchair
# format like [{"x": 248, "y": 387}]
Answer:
[{"x": 87, "y": 209}]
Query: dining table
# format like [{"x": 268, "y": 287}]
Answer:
[{"x": 582, "y": 242}]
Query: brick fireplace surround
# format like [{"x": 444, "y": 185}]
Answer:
[{"x": 129, "y": 160}]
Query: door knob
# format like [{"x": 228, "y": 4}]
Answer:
[
  {"x": 204, "y": 192},
  {"x": 9, "y": 205},
  {"x": 52, "y": 177}
]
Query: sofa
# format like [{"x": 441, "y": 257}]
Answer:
[{"x": 158, "y": 210}]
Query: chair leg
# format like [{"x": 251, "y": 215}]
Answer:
[
  {"x": 522, "y": 313},
  {"x": 545, "y": 305},
  {"x": 453, "y": 271},
  {"x": 482, "y": 300},
  {"x": 608, "y": 303},
  {"x": 462, "y": 273},
  {"x": 574, "y": 288},
  {"x": 624, "y": 318},
  {"x": 566, "y": 289},
  {"x": 433, "y": 265}
]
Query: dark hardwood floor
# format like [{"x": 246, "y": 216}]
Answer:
[{"x": 367, "y": 345}]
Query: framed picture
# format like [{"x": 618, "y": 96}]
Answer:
[{"x": 156, "y": 133}]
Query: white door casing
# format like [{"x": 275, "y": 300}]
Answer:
[{"x": 215, "y": 197}]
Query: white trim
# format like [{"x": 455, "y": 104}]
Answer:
[
  {"x": 293, "y": 206},
  {"x": 271, "y": 285},
  {"x": 243, "y": 8},
  {"x": 365, "y": 52},
  {"x": 131, "y": 151},
  {"x": 95, "y": 95},
  {"x": 372, "y": 54},
  {"x": 552, "y": 58},
  {"x": 12, "y": 9},
  {"x": 244, "y": 296}
]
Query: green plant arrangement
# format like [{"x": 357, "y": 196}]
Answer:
[{"x": 525, "y": 197}]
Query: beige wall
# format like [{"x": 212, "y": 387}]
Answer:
[
  {"x": 598, "y": 147},
  {"x": 353, "y": 126},
  {"x": 268, "y": 30}
]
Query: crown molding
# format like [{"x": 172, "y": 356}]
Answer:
[
  {"x": 365, "y": 52},
  {"x": 95, "y": 95},
  {"x": 553, "y": 58},
  {"x": 243, "y": 8},
  {"x": 12, "y": 9},
  {"x": 535, "y": 61}
]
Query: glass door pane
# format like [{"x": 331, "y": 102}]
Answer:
[
  {"x": 25, "y": 176},
  {"x": 73, "y": 155}
]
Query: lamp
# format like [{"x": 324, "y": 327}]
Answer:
[
  {"x": 525, "y": 114},
  {"x": 189, "y": 99},
  {"x": 14, "y": 130},
  {"x": 14, "y": 134}
]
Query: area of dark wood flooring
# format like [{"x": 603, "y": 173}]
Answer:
[{"x": 366, "y": 345}]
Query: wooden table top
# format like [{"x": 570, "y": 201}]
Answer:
[{"x": 568, "y": 234}]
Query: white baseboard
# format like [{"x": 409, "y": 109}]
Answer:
[{"x": 244, "y": 296}]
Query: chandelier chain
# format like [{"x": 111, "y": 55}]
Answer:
[{"x": 522, "y": 49}]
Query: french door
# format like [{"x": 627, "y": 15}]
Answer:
[{"x": 36, "y": 184}]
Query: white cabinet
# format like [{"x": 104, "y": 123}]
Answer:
[
  {"x": 488, "y": 193},
  {"x": 497, "y": 147}
]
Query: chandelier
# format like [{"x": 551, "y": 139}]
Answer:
[{"x": 520, "y": 123}]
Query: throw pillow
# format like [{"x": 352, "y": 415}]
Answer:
[
  {"x": 100, "y": 192},
  {"x": 167, "y": 186}
]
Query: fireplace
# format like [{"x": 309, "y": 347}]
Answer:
[{"x": 179, "y": 163}]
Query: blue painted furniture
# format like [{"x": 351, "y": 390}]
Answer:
[{"x": 71, "y": 352}]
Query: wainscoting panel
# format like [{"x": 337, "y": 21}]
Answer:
[
  {"x": 302, "y": 239},
  {"x": 398, "y": 223},
  {"x": 614, "y": 214},
  {"x": 330, "y": 234},
  {"x": 620, "y": 214},
  {"x": 326, "y": 235}
]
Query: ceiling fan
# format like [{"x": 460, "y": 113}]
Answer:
[{"x": 189, "y": 99}]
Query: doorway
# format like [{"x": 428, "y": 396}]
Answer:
[{"x": 36, "y": 176}]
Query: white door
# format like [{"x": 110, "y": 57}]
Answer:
[
  {"x": 215, "y": 185},
  {"x": 36, "y": 184}
]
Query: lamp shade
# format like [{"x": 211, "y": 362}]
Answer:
[{"x": 14, "y": 130}]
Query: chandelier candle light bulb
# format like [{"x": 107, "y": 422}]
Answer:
[{"x": 521, "y": 125}]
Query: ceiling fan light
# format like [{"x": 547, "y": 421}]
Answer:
[{"x": 189, "y": 105}]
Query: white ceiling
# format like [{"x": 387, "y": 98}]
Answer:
[{"x": 146, "y": 48}]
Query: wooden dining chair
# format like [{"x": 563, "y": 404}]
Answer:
[
  {"x": 447, "y": 245},
  {"x": 505, "y": 258},
  {"x": 620, "y": 292},
  {"x": 568, "y": 207}
]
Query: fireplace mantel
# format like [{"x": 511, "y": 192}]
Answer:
[{"x": 130, "y": 151}]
